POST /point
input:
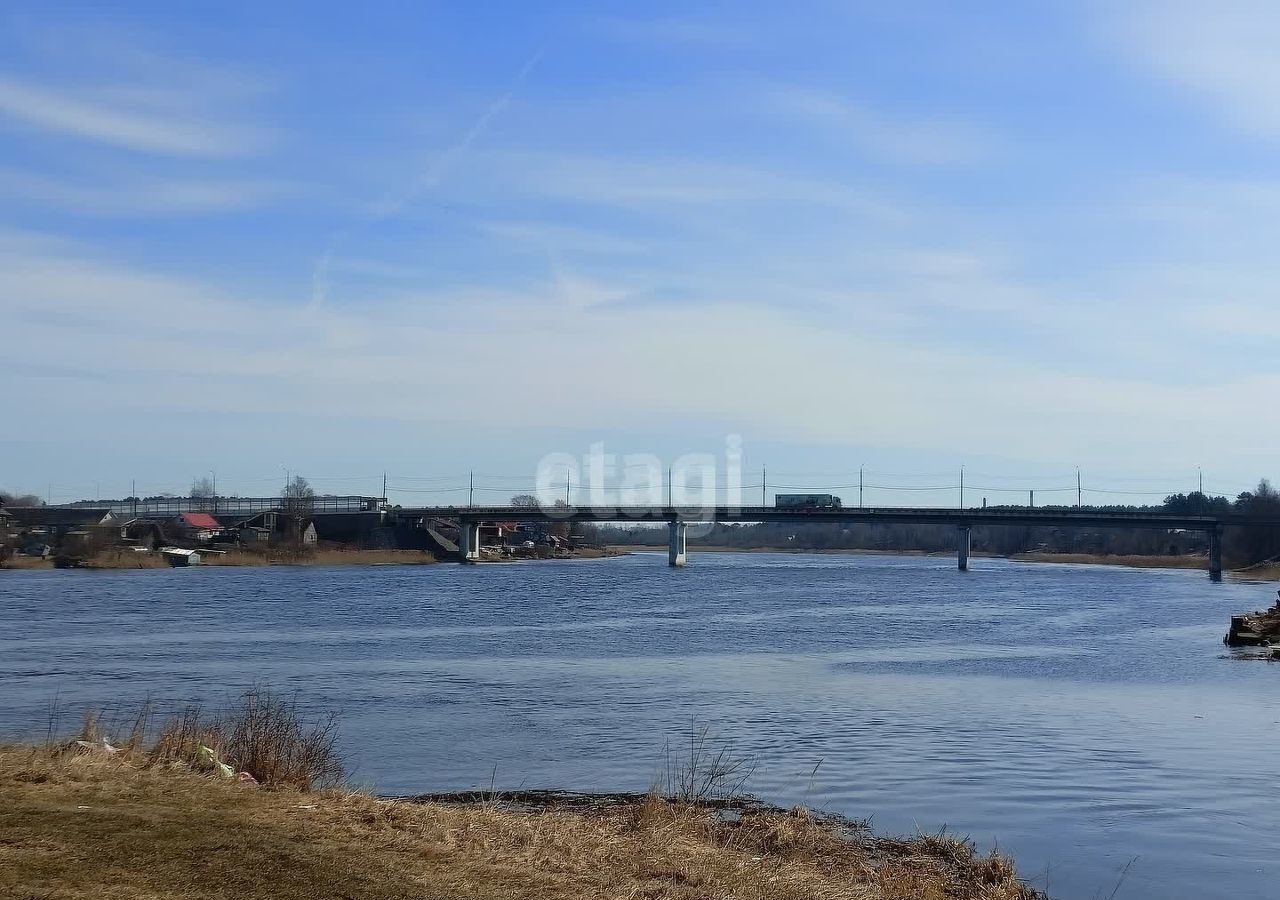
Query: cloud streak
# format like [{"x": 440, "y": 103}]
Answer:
[{"x": 159, "y": 124}]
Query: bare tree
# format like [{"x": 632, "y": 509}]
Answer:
[
  {"x": 202, "y": 487},
  {"x": 525, "y": 501},
  {"x": 299, "y": 504},
  {"x": 11, "y": 499}
]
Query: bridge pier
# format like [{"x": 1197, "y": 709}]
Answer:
[
  {"x": 469, "y": 542},
  {"x": 1215, "y": 554},
  {"x": 677, "y": 544},
  {"x": 962, "y": 546}
]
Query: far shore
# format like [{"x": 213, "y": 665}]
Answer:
[
  {"x": 1254, "y": 573},
  {"x": 133, "y": 561}
]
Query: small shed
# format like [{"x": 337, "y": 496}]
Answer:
[{"x": 178, "y": 557}]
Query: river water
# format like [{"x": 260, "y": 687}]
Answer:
[{"x": 1082, "y": 717}]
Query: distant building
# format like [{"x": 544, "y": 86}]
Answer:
[
  {"x": 59, "y": 517},
  {"x": 51, "y": 523},
  {"x": 195, "y": 526}
]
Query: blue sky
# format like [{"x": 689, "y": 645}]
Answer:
[{"x": 430, "y": 238}]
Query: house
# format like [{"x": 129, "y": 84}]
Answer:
[
  {"x": 250, "y": 534},
  {"x": 51, "y": 523},
  {"x": 59, "y": 518},
  {"x": 195, "y": 526},
  {"x": 145, "y": 533}
]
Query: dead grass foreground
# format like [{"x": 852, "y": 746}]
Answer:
[{"x": 93, "y": 824}]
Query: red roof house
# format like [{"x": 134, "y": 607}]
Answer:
[{"x": 197, "y": 525}]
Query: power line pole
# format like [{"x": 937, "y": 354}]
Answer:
[
  {"x": 764, "y": 480},
  {"x": 860, "y": 487},
  {"x": 669, "y": 499},
  {"x": 471, "y": 490},
  {"x": 568, "y": 494},
  {"x": 1200, "y": 473},
  {"x": 962, "y": 487},
  {"x": 384, "y": 487},
  {"x": 1079, "y": 491}
]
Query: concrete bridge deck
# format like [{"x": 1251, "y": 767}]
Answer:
[{"x": 678, "y": 517}]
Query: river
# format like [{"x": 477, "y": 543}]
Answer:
[{"x": 1083, "y": 717}]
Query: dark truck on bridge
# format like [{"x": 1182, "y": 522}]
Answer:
[{"x": 806, "y": 501}]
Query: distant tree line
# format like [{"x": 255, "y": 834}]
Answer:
[
  {"x": 10, "y": 498},
  {"x": 1241, "y": 546}
]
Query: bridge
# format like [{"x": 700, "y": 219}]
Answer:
[{"x": 679, "y": 517}]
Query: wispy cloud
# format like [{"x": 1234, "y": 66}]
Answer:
[
  {"x": 398, "y": 199},
  {"x": 558, "y": 238},
  {"x": 1224, "y": 53},
  {"x": 674, "y": 31},
  {"x": 669, "y": 183},
  {"x": 156, "y": 122},
  {"x": 118, "y": 195},
  {"x": 334, "y": 363},
  {"x": 931, "y": 141}
]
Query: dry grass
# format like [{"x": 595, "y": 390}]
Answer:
[
  {"x": 1141, "y": 562},
  {"x": 26, "y": 562},
  {"x": 124, "y": 558},
  {"x": 322, "y": 557},
  {"x": 97, "y": 825},
  {"x": 261, "y": 733},
  {"x": 1264, "y": 572}
]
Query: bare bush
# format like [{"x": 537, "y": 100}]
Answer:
[
  {"x": 705, "y": 773},
  {"x": 266, "y": 737},
  {"x": 261, "y": 733}
]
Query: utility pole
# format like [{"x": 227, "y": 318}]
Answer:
[
  {"x": 764, "y": 480},
  {"x": 568, "y": 494},
  {"x": 1031, "y": 498},
  {"x": 962, "y": 487},
  {"x": 384, "y": 487},
  {"x": 669, "y": 498},
  {"x": 860, "y": 468},
  {"x": 1079, "y": 492},
  {"x": 471, "y": 490},
  {"x": 133, "y": 492},
  {"x": 1200, "y": 473}
]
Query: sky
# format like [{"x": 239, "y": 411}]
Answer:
[{"x": 431, "y": 239}]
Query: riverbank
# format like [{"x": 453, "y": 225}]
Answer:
[
  {"x": 93, "y": 823},
  {"x": 131, "y": 559},
  {"x": 1257, "y": 573}
]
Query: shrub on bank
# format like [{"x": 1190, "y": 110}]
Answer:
[{"x": 261, "y": 733}]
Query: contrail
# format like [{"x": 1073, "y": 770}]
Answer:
[{"x": 393, "y": 203}]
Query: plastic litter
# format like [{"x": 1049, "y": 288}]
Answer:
[
  {"x": 207, "y": 754},
  {"x": 245, "y": 778},
  {"x": 91, "y": 747}
]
